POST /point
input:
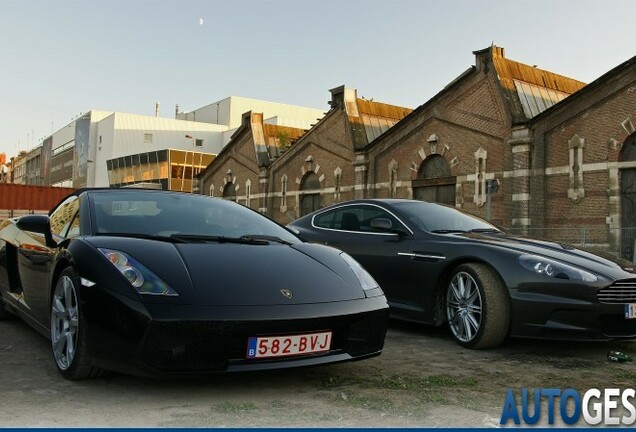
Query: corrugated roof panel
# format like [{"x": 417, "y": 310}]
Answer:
[
  {"x": 549, "y": 96},
  {"x": 384, "y": 124},
  {"x": 381, "y": 109},
  {"x": 368, "y": 127},
  {"x": 376, "y": 127},
  {"x": 373, "y": 119},
  {"x": 538, "y": 97},
  {"x": 389, "y": 124},
  {"x": 523, "y": 84},
  {"x": 535, "y": 99},
  {"x": 556, "y": 96},
  {"x": 526, "y": 102}
]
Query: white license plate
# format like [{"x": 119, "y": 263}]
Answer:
[
  {"x": 630, "y": 311},
  {"x": 281, "y": 346}
]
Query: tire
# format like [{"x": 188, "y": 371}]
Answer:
[
  {"x": 477, "y": 306},
  {"x": 68, "y": 330}
]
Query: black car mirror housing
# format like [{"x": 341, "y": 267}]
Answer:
[
  {"x": 382, "y": 224},
  {"x": 385, "y": 224},
  {"x": 40, "y": 224}
]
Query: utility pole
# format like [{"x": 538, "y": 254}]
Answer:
[{"x": 194, "y": 143}]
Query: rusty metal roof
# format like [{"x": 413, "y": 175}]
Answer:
[
  {"x": 281, "y": 136},
  {"x": 528, "y": 89},
  {"x": 370, "y": 119},
  {"x": 270, "y": 140}
]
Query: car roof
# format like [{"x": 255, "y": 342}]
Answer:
[
  {"x": 374, "y": 200},
  {"x": 128, "y": 190}
]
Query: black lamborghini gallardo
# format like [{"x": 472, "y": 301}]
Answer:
[{"x": 164, "y": 284}]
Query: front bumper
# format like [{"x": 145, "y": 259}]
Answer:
[
  {"x": 177, "y": 340},
  {"x": 569, "y": 312}
]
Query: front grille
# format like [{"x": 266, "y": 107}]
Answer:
[
  {"x": 623, "y": 291},
  {"x": 187, "y": 346},
  {"x": 367, "y": 335}
]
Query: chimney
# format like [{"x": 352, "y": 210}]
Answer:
[
  {"x": 157, "y": 109},
  {"x": 337, "y": 97},
  {"x": 176, "y": 110}
]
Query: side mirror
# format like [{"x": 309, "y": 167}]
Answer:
[
  {"x": 382, "y": 224},
  {"x": 40, "y": 224},
  {"x": 385, "y": 224}
]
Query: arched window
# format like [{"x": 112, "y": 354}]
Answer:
[
  {"x": 310, "y": 193},
  {"x": 480, "y": 196},
  {"x": 576, "y": 190},
  {"x": 435, "y": 183},
  {"x": 393, "y": 174},
  {"x": 434, "y": 166},
  {"x": 337, "y": 179},
  {"x": 229, "y": 192},
  {"x": 248, "y": 193},
  {"x": 283, "y": 193}
]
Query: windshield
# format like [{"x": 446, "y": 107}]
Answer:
[
  {"x": 438, "y": 218},
  {"x": 145, "y": 213}
]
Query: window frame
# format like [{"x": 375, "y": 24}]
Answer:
[{"x": 341, "y": 207}]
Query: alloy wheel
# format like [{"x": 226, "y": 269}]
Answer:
[
  {"x": 64, "y": 322},
  {"x": 464, "y": 306}
]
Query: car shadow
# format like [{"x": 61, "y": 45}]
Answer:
[{"x": 554, "y": 352}]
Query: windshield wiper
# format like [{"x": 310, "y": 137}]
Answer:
[
  {"x": 217, "y": 239},
  {"x": 448, "y": 231},
  {"x": 485, "y": 230},
  {"x": 170, "y": 239},
  {"x": 259, "y": 237}
]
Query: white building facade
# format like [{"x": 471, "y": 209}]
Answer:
[
  {"x": 229, "y": 112},
  {"x": 76, "y": 155}
]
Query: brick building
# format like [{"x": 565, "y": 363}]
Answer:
[
  {"x": 583, "y": 160},
  {"x": 565, "y": 165},
  {"x": 241, "y": 173},
  {"x": 287, "y": 172}
]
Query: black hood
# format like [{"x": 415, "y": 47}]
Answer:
[
  {"x": 597, "y": 262},
  {"x": 241, "y": 274},
  {"x": 225, "y": 274}
]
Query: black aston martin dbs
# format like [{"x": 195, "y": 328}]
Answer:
[
  {"x": 438, "y": 264},
  {"x": 161, "y": 283}
]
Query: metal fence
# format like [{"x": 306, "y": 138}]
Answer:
[
  {"x": 17, "y": 200},
  {"x": 620, "y": 242}
]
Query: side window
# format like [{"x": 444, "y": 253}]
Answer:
[
  {"x": 63, "y": 215},
  {"x": 358, "y": 218},
  {"x": 324, "y": 220},
  {"x": 347, "y": 218},
  {"x": 353, "y": 218}
]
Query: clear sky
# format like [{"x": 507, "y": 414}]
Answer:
[{"x": 62, "y": 58}]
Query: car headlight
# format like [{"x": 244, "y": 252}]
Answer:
[
  {"x": 366, "y": 280},
  {"x": 555, "y": 269},
  {"x": 142, "y": 279}
]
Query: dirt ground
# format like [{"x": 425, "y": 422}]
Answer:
[{"x": 423, "y": 379}]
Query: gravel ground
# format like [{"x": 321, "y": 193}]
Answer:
[{"x": 423, "y": 379}]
